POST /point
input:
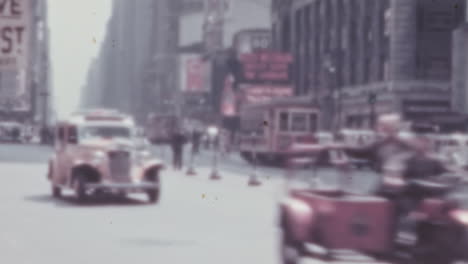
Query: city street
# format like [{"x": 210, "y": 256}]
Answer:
[{"x": 196, "y": 221}]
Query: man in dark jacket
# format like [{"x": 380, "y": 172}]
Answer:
[{"x": 177, "y": 143}]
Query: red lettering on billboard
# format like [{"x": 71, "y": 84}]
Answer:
[{"x": 266, "y": 66}]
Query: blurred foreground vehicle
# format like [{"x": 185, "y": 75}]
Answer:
[
  {"x": 317, "y": 221},
  {"x": 102, "y": 152}
]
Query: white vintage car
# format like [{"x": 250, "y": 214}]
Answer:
[{"x": 102, "y": 152}]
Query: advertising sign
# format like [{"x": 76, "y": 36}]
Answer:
[
  {"x": 266, "y": 67},
  {"x": 263, "y": 93},
  {"x": 15, "y": 28},
  {"x": 229, "y": 103},
  {"x": 14, "y": 33},
  {"x": 193, "y": 74}
]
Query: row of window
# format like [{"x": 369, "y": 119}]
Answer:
[{"x": 288, "y": 122}]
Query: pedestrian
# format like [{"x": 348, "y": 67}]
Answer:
[{"x": 177, "y": 143}]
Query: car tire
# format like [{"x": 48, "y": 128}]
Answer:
[
  {"x": 80, "y": 190},
  {"x": 153, "y": 195},
  {"x": 290, "y": 250},
  {"x": 56, "y": 192}
]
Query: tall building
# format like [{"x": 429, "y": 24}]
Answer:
[
  {"x": 361, "y": 58},
  {"x": 460, "y": 66},
  {"x": 137, "y": 60}
]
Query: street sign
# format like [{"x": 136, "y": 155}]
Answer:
[{"x": 14, "y": 33}]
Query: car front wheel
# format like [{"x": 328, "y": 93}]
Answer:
[
  {"x": 80, "y": 189},
  {"x": 56, "y": 192},
  {"x": 153, "y": 195},
  {"x": 290, "y": 250}
]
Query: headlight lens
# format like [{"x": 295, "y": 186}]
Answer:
[
  {"x": 145, "y": 154},
  {"x": 99, "y": 155}
]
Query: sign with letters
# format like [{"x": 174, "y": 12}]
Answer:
[
  {"x": 266, "y": 67},
  {"x": 14, "y": 33}
]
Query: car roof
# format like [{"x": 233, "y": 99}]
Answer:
[{"x": 102, "y": 119}]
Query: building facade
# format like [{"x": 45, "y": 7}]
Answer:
[
  {"x": 361, "y": 58},
  {"x": 136, "y": 69}
]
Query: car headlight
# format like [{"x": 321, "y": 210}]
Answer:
[
  {"x": 98, "y": 157},
  {"x": 143, "y": 155}
]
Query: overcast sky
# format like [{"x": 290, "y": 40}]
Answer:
[{"x": 73, "y": 25}]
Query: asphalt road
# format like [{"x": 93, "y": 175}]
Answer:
[{"x": 196, "y": 221}]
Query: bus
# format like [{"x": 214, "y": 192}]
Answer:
[{"x": 269, "y": 130}]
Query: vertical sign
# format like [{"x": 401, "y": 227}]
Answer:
[
  {"x": 14, "y": 33},
  {"x": 15, "y": 28},
  {"x": 192, "y": 73}
]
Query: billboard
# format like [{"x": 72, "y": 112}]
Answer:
[
  {"x": 253, "y": 94},
  {"x": 14, "y": 33},
  {"x": 229, "y": 99},
  {"x": 194, "y": 73},
  {"x": 252, "y": 40},
  {"x": 15, "y": 29},
  {"x": 265, "y": 67}
]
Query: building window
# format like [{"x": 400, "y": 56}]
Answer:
[{"x": 284, "y": 121}]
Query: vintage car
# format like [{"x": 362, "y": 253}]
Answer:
[
  {"x": 321, "y": 222},
  {"x": 100, "y": 152}
]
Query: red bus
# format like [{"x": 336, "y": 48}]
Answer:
[{"x": 269, "y": 130}]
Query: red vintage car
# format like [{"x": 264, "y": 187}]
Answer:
[{"x": 319, "y": 222}]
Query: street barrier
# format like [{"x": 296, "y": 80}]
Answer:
[
  {"x": 191, "y": 170},
  {"x": 214, "y": 172},
  {"x": 253, "y": 178}
]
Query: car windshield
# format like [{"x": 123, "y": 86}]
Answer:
[{"x": 105, "y": 132}]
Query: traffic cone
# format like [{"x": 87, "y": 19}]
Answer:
[
  {"x": 215, "y": 175},
  {"x": 191, "y": 170},
  {"x": 253, "y": 179}
]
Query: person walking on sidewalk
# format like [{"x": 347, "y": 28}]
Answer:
[{"x": 178, "y": 141}]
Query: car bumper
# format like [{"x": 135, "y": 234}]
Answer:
[{"x": 127, "y": 187}]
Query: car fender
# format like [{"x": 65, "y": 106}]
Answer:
[
  {"x": 153, "y": 163},
  {"x": 83, "y": 164},
  {"x": 297, "y": 218}
]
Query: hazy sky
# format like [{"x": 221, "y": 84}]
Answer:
[{"x": 73, "y": 27}]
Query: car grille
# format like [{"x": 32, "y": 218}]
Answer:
[{"x": 120, "y": 165}]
